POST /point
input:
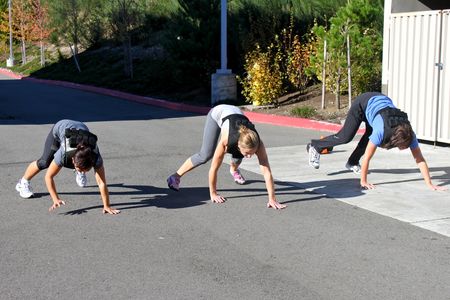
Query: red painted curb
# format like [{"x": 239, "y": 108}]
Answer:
[
  {"x": 123, "y": 95},
  {"x": 10, "y": 73},
  {"x": 254, "y": 116},
  {"x": 292, "y": 122}
]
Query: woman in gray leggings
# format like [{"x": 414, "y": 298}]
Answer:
[{"x": 227, "y": 130}]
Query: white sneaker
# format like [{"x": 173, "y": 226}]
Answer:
[
  {"x": 355, "y": 168},
  {"x": 81, "y": 179},
  {"x": 24, "y": 189},
  {"x": 314, "y": 156}
]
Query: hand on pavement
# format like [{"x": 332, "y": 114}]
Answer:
[
  {"x": 111, "y": 211},
  {"x": 56, "y": 204},
  {"x": 275, "y": 204},
  {"x": 218, "y": 199}
]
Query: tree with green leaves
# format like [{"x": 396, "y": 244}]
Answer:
[
  {"x": 193, "y": 40},
  {"x": 69, "y": 19},
  {"x": 125, "y": 16},
  {"x": 361, "y": 21},
  {"x": 258, "y": 21}
]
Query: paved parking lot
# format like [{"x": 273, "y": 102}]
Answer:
[{"x": 333, "y": 241}]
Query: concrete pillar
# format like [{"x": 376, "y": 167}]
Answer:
[
  {"x": 10, "y": 60},
  {"x": 223, "y": 82},
  {"x": 223, "y": 86}
]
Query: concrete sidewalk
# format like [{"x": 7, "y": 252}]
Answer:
[{"x": 400, "y": 191}]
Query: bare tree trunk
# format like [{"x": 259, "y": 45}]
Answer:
[
  {"x": 75, "y": 28},
  {"x": 324, "y": 74},
  {"x": 24, "y": 52},
  {"x": 338, "y": 89},
  {"x": 349, "y": 72},
  {"x": 42, "y": 53},
  {"x": 75, "y": 44},
  {"x": 128, "y": 59},
  {"x": 75, "y": 58}
]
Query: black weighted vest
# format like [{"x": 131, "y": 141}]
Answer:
[
  {"x": 392, "y": 117},
  {"x": 236, "y": 120},
  {"x": 73, "y": 137}
]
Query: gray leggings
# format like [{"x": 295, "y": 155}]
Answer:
[{"x": 211, "y": 135}]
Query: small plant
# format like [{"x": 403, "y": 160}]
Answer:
[
  {"x": 276, "y": 69},
  {"x": 304, "y": 111},
  {"x": 262, "y": 83},
  {"x": 297, "y": 62}
]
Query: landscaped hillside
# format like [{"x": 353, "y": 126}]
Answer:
[{"x": 170, "y": 48}]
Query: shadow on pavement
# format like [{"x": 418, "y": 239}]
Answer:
[
  {"x": 25, "y": 102},
  {"x": 345, "y": 188},
  {"x": 281, "y": 189},
  {"x": 415, "y": 170},
  {"x": 150, "y": 196}
]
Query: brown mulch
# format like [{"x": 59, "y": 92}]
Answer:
[{"x": 312, "y": 98}]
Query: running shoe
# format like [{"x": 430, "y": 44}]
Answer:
[
  {"x": 24, "y": 189},
  {"x": 174, "y": 182},
  {"x": 354, "y": 168},
  {"x": 237, "y": 176},
  {"x": 81, "y": 179},
  {"x": 314, "y": 156}
]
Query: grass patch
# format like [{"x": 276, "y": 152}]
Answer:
[{"x": 304, "y": 112}]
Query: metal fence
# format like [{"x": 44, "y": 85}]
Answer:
[{"x": 418, "y": 79}]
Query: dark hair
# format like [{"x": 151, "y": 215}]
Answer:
[
  {"x": 402, "y": 136},
  {"x": 84, "y": 157}
]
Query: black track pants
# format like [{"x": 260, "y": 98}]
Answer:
[
  {"x": 356, "y": 115},
  {"x": 51, "y": 146}
]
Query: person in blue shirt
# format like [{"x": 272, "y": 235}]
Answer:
[{"x": 386, "y": 127}]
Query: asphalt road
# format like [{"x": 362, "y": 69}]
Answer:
[{"x": 169, "y": 245}]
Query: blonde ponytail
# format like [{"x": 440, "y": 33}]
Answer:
[{"x": 248, "y": 139}]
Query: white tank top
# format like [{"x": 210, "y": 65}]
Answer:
[{"x": 224, "y": 110}]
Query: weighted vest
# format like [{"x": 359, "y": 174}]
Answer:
[
  {"x": 392, "y": 117},
  {"x": 236, "y": 120},
  {"x": 73, "y": 137}
]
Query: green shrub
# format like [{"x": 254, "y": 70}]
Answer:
[
  {"x": 278, "y": 69},
  {"x": 262, "y": 82},
  {"x": 304, "y": 111}
]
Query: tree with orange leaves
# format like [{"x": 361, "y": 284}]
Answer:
[
  {"x": 40, "y": 29},
  {"x": 4, "y": 28},
  {"x": 22, "y": 23}
]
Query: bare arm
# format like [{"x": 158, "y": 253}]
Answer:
[
  {"x": 101, "y": 181},
  {"x": 368, "y": 154},
  {"x": 268, "y": 178},
  {"x": 52, "y": 171},
  {"x": 217, "y": 160},
  {"x": 423, "y": 167}
]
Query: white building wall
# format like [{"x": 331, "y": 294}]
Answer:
[
  {"x": 413, "y": 53},
  {"x": 411, "y": 76},
  {"x": 443, "y": 132}
]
